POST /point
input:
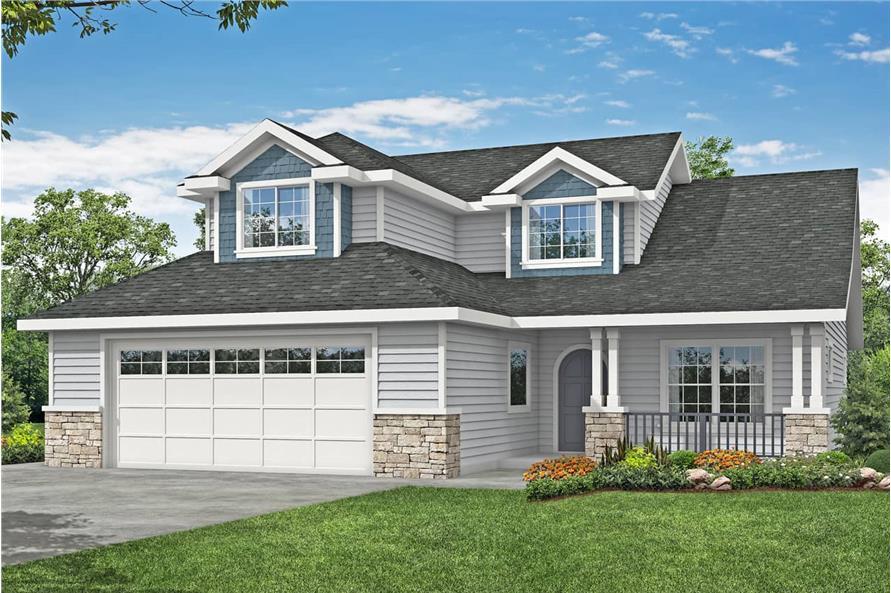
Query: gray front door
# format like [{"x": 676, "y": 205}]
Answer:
[{"x": 574, "y": 393}]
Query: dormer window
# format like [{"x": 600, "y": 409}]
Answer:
[
  {"x": 561, "y": 232},
  {"x": 276, "y": 218}
]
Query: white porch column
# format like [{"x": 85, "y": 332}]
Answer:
[
  {"x": 596, "y": 367},
  {"x": 817, "y": 340},
  {"x": 797, "y": 368},
  {"x": 612, "y": 395}
]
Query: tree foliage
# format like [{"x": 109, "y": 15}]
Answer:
[
  {"x": 708, "y": 157},
  {"x": 875, "y": 278},
  {"x": 198, "y": 219},
  {"x": 15, "y": 411},
  {"x": 862, "y": 416}
]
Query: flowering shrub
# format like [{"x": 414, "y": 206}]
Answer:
[
  {"x": 23, "y": 445},
  {"x": 617, "y": 476},
  {"x": 559, "y": 469},
  {"x": 638, "y": 458},
  {"x": 795, "y": 472},
  {"x": 722, "y": 459}
]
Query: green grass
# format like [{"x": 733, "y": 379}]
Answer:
[{"x": 425, "y": 539}]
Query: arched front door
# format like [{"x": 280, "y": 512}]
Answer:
[{"x": 574, "y": 392}]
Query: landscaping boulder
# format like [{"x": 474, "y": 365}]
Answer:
[
  {"x": 885, "y": 483},
  {"x": 697, "y": 475},
  {"x": 721, "y": 483},
  {"x": 868, "y": 474}
]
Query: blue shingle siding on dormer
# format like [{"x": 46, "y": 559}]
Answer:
[
  {"x": 346, "y": 216},
  {"x": 278, "y": 163},
  {"x": 560, "y": 185},
  {"x": 516, "y": 248}
]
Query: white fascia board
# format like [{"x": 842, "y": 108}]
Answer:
[
  {"x": 268, "y": 319},
  {"x": 549, "y": 158},
  {"x": 498, "y": 201},
  {"x": 677, "y": 166},
  {"x": 627, "y": 193},
  {"x": 207, "y": 184},
  {"x": 268, "y": 126},
  {"x": 182, "y": 192},
  {"x": 340, "y": 174},
  {"x": 693, "y": 318}
]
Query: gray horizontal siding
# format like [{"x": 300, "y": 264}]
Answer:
[
  {"x": 477, "y": 382},
  {"x": 479, "y": 241},
  {"x": 628, "y": 232},
  {"x": 415, "y": 225},
  {"x": 211, "y": 219},
  {"x": 650, "y": 211},
  {"x": 75, "y": 365},
  {"x": 836, "y": 369},
  {"x": 364, "y": 215},
  {"x": 407, "y": 372}
]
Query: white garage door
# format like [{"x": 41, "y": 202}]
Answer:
[{"x": 290, "y": 404}]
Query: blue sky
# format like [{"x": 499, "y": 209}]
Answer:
[{"x": 798, "y": 86}]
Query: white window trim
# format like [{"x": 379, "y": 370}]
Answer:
[
  {"x": 585, "y": 262},
  {"x": 247, "y": 252},
  {"x": 766, "y": 343},
  {"x": 527, "y": 407}
]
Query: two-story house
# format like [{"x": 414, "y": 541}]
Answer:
[{"x": 425, "y": 314}]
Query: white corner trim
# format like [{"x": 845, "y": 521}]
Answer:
[
  {"x": 336, "y": 205},
  {"x": 269, "y": 127},
  {"x": 216, "y": 230},
  {"x": 51, "y": 364},
  {"x": 617, "y": 257},
  {"x": 416, "y": 411},
  {"x": 72, "y": 408},
  {"x": 379, "y": 212},
  {"x": 441, "y": 366},
  {"x": 548, "y": 159},
  {"x": 507, "y": 259}
]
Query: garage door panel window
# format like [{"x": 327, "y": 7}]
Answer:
[
  {"x": 141, "y": 362},
  {"x": 237, "y": 361},
  {"x": 293, "y": 361},
  {"x": 340, "y": 359},
  {"x": 188, "y": 362}
]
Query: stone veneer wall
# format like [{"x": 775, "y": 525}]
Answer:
[
  {"x": 602, "y": 429},
  {"x": 73, "y": 439},
  {"x": 806, "y": 434},
  {"x": 417, "y": 446}
]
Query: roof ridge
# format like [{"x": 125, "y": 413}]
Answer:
[
  {"x": 531, "y": 144},
  {"x": 776, "y": 174}
]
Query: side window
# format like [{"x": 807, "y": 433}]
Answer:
[
  {"x": 141, "y": 362},
  {"x": 340, "y": 359},
  {"x": 519, "y": 377},
  {"x": 236, "y": 361},
  {"x": 288, "y": 360},
  {"x": 188, "y": 362}
]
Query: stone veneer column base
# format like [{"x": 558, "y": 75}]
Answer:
[
  {"x": 603, "y": 429},
  {"x": 417, "y": 446},
  {"x": 73, "y": 439},
  {"x": 805, "y": 434}
]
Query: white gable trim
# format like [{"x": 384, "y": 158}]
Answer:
[
  {"x": 269, "y": 127},
  {"x": 547, "y": 160},
  {"x": 677, "y": 166}
]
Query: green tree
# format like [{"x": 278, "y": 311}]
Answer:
[
  {"x": 875, "y": 278},
  {"x": 198, "y": 219},
  {"x": 862, "y": 416},
  {"x": 24, "y": 19},
  {"x": 708, "y": 157},
  {"x": 15, "y": 411},
  {"x": 75, "y": 243}
]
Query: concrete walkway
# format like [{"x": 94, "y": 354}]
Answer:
[{"x": 47, "y": 511}]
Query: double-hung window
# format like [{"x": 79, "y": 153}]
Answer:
[
  {"x": 562, "y": 232},
  {"x": 276, "y": 218}
]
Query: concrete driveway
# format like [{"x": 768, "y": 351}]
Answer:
[{"x": 47, "y": 511}]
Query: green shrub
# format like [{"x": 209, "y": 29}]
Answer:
[
  {"x": 15, "y": 410},
  {"x": 617, "y": 476},
  {"x": 862, "y": 416},
  {"x": 833, "y": 458},
  {"x": 638, "y": 458},
  {"x": 794, "y": 472},
  {"x": 879, "y": 461},
  {"x": 24, "y": 444},
  {"x": 682, "y": 459}
]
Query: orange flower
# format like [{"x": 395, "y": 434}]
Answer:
[
  {"x": 721, "y": 459},
  {"x": 577, "y": 465}
]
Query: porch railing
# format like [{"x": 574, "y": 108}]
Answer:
[{"x": 762, "y": 434}]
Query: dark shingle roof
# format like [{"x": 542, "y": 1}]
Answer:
[
  {"x": 471, "y": 174},
  {"x": 764, "y": 242}
]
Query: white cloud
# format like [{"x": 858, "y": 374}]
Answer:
[
  {"x": 611, "y": 61},
  {"x": 630, "y": 75},
  {"x": 701, "y": 116},
  {"x": 618, "y": 103},
  {"x": 698, "y": 32},
  {"x": 879, "y": 56},
  {"x": 784, "y": 55},
  {"x": 859, "y": 39},
  {"x": 780, "y": 90},
  {"x": 661, "y": 16},
  {"x": 875, "y": 198},
  {"x": 727, "y": 53},
  {"x": 679, "y": 46},
  {"x": 621, "y": 122},
  {"x": 578, "y": 19},
  {"x": 774, "y": 151},
  {"x": 538, "y": 67},
  {"x": 589, "y": 41},
  {"x": 524, "y": 31}
]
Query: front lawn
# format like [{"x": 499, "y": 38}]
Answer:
[{"x": 428, "y": 539}]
